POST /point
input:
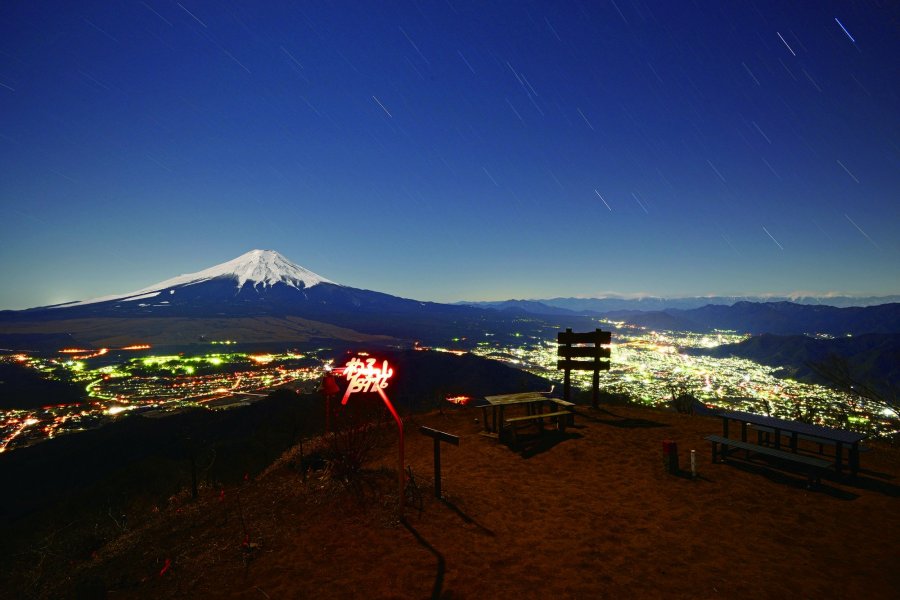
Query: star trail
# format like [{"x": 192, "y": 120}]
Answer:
[{"x": 442, "y": 150}]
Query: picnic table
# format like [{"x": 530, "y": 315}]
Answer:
[
  {"x": 839, "y": 438},
  {"x": 495, "y": 422}
]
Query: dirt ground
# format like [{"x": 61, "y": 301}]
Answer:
[{"x": 586, "y": 514}]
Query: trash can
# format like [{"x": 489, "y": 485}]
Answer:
[{"x": 670, "y": 456}]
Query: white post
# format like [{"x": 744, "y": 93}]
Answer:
[{"x": 693, "y": 464}]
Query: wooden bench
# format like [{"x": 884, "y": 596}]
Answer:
[
  {"x": 812, "y": 465},
  {"x": 565, "y": 405},
  {"x": 510, "y": 424},
  {"x": 561, "y": 402},
  {"x": 768, "y": 431}
]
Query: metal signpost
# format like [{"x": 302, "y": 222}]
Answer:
[{"x": 438, "y": 436}]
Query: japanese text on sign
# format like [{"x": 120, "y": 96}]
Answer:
[{"x": 365, "y": 377}]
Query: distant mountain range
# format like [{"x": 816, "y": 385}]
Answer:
[
  {"x": 262, "y": 297},
  {"x": 600, "y": 306},
  {"x": 259, "y": 296},
  {"x": 784, "y": 318},
  {"x": 750, "y": 317}
]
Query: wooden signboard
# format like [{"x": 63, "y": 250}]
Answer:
[{"x": 592, "y": 355}]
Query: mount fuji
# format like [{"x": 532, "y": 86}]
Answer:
[
  {"x": 259, "y": 296},
  {"x": 260, "y": 282},
  {"x": 256, "y": 270}
]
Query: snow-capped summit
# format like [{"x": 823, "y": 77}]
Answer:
[
  {"x": 259, "y": 268},
  {"x": 259, "y": 296}
]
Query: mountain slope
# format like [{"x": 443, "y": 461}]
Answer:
[
  {"x": 109, "y": 332},
  {"x": 263, "y": 284},
  {"x": 784, "y": 318},
  {"x": 872, "y": 360},
  {"x": 259, "y": 268},
  {"x": 526, "y": 306}
]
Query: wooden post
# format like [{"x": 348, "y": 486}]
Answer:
[
  {"x": 401, "y": 470},
  {"x": 595, "y": 383},
  {"x": 437, "y": 468},
  {"x": 327, "y": 414},
  {"x": 302, "y": 466},
  {"x": 193, "y": 474},
  {"x": 567, "y": 381},
  {"x": 439, "y": 436}
]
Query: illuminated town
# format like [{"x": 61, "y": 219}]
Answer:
[
  {"x": 648, "y": 367},
  {"x": 151, "y": 385}
]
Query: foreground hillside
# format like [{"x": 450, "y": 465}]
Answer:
[{"x": 588, "y": 514}]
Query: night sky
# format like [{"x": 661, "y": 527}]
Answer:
[{"x": 452, "y": 150}]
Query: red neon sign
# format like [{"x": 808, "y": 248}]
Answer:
[
  {"x": 366, "y": 377},
  {"x": 363, "y": 377}
]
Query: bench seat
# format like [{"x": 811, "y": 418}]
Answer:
[
  {"x": 813, "y": 466},
  {"x": 535, "y": 417},
  {"x": 561, "y": 402},
  {"x": 762, "y": 429},
  {"x": 562, "y": 416}
]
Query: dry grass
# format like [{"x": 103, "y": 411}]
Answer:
[{"x": 589, "y": 514}]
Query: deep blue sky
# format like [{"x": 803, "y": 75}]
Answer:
[{"x": 441, "y": 150}]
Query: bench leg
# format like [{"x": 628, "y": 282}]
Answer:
[
  {"x": 814, "y": 479},
  {"x": 723, "y": 453}
]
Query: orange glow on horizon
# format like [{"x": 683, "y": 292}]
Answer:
[
  {"x": 137, "y": 347},
  {"x": 99, "y": 352},
  {"x": 461, "y": 400}
]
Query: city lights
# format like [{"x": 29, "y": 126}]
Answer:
[
  {"x": 149, "y": 383},
  {"x": 648, "y": 367}
]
